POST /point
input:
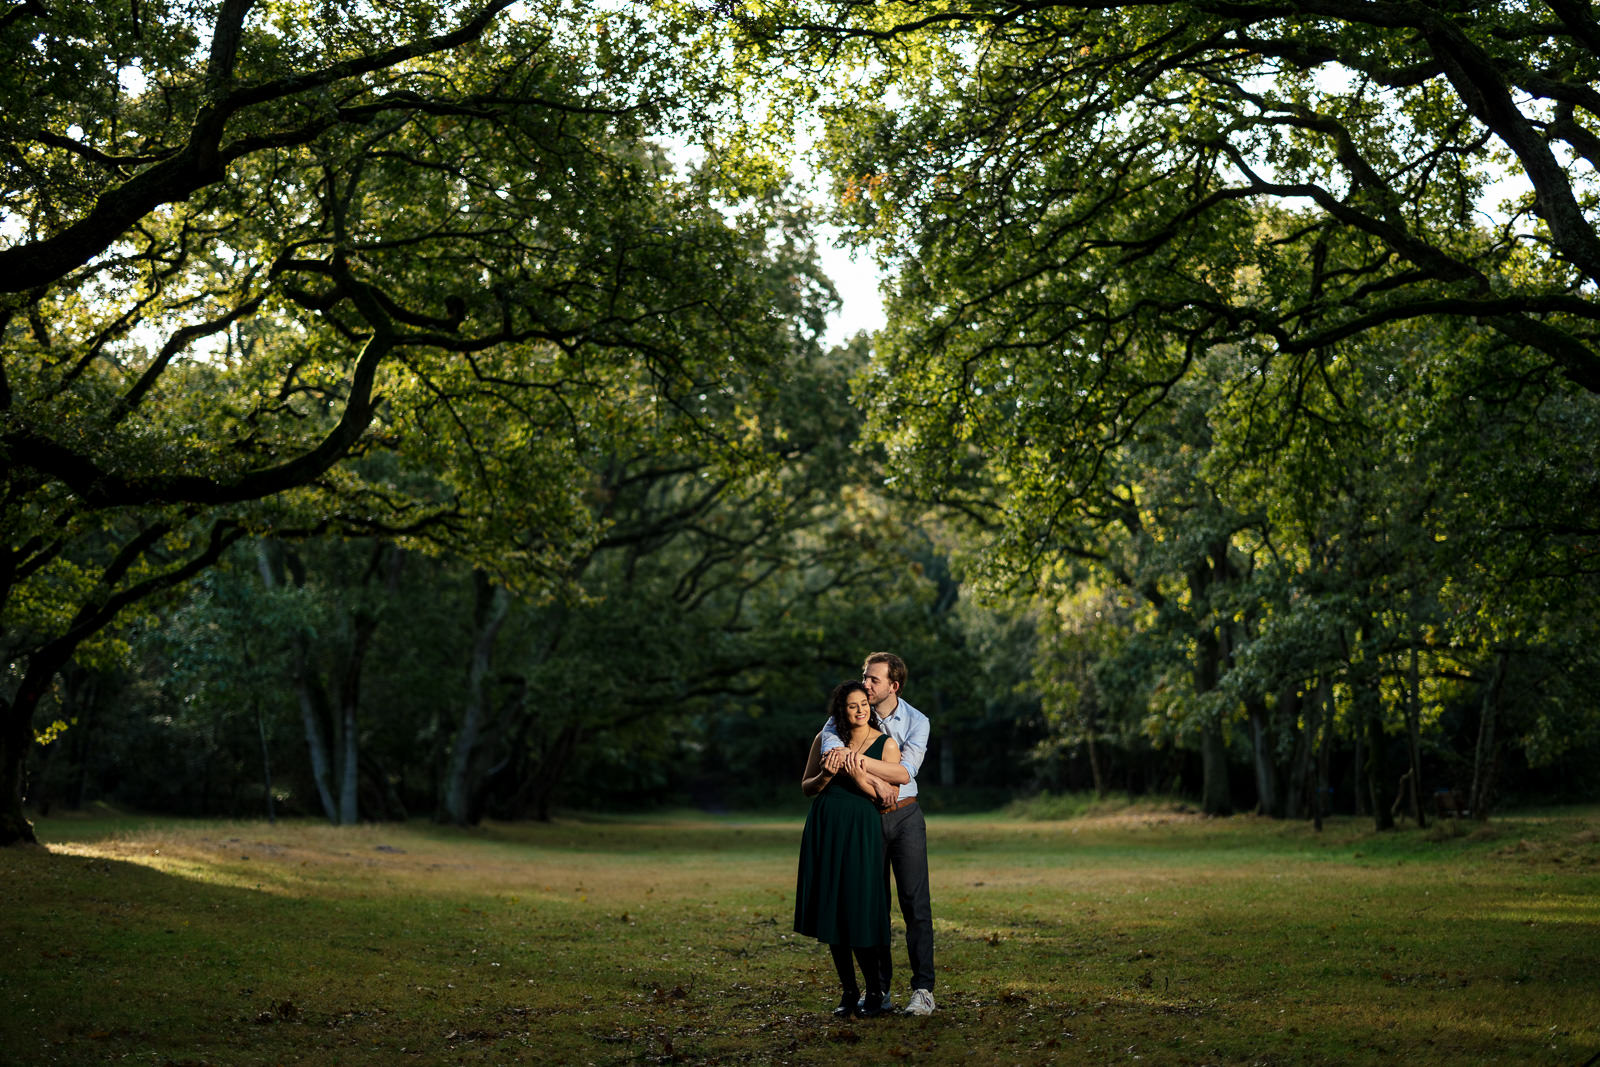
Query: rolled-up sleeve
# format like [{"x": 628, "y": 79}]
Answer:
[
  {"x": 915, "y": 745},
  {"x": 830, "y": 736}
]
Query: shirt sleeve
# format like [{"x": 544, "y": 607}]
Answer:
[
  {"x": 915, "y": 746},
  {"x": 830, "y": 736}
]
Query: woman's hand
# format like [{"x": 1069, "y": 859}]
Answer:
[{"x": 835, "y": 760}]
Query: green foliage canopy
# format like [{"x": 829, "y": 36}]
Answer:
[{"x": 401, "y": 269}]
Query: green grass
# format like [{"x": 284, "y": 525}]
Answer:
[{"x": 1142, "y": 935}]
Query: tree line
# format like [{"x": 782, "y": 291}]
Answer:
[{"x": 393, "y": 425}]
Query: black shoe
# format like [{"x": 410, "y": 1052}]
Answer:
[
  {"x": 873, "y": 1005},
  {"x": 847, "y": 1005}
]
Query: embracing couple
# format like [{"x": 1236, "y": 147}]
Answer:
[{"x": 865, "y": 823}]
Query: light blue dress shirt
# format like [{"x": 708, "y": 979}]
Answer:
[{"x": 909, "y": 728}]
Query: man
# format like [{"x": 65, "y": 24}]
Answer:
[{"x": 905, "y": 832}]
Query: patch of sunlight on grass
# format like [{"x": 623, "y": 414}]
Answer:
[
  {"x": 1546, "y": 907},
  {"x": 198, "y": 870},
  {"x": 666, "y": 938}
]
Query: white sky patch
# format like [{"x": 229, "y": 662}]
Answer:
[
  {"x": 857, "y": 278},
  {"x": 854, "y": 273},
  {"x": 131, "y": 78}
]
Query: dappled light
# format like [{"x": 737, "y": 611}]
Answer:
[
  {"x": 1217, "y": 941},
  {"x": 437, "y": 510}
]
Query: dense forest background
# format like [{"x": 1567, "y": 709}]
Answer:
[{"x": 421, "y": 409}]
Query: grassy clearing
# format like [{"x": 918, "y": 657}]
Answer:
[{"x": 1148, "y": 935}]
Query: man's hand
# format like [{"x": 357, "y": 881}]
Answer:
[{"x": 834, "y": 761}]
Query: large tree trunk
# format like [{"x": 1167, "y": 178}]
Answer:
[
  {"x": 60, "y": 769},
  {"x": 43, "y": 661},
  {"x": 16, "y": 735},
  {"x": 16, "y": 738},
  {"x": 491, "y": 605}
]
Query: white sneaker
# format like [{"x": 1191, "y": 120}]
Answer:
[{"x": 921, "y": 1003}]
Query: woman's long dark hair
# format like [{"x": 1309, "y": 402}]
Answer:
[{"x": 836, "y": 702}]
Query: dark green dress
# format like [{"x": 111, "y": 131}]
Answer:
[{"x": 841, "y": 896}]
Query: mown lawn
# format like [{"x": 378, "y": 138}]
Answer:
[{"x": 1143, "y": 936}]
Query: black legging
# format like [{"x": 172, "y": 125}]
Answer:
[{"x": 847, "y": 971}]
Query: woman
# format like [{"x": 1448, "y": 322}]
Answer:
[{"x": 841, "y": 895}]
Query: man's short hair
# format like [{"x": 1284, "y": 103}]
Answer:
[{"x": 895, "y": 665}]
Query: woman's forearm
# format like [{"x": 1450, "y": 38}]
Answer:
[
  {"x": 816, "y": 776},
  {"x": 893, "y": 773}
]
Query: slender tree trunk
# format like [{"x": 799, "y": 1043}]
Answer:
[
  {"x": 1214, "y": 793},
  {"x": 84, "y": 744},
  {"x": 1217, "y": 798},
  {"x": 1368, "y": 701},
  {"x": 1358, "y": 769},
  {"x": 503, "y": 776},
  {"x": 1211, "y": 655},
  {"x": 1262, "y": 744},
  {"x": 381, "y": 800},
  {"x": 1378, "y": 766},
  {"x": 551, "y": 768},
  {"x": 1302, "y": 766},
  {"x": 491, "y": 606},
  {"x": 307, "y": 689},
  {"x": 1095, "y": 769},
  {"x": 365, "y": 625},
  {"x": 1483, "y": 760},
  {"x": 1324, "y": 744},
  {"x": 79, "y": 691},
  {"x": 88, "y": 723},
  {"x": 309, "y": 695},
  {"x": 266, "y": 762},
  {"x": 1414, "y": 736}
]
